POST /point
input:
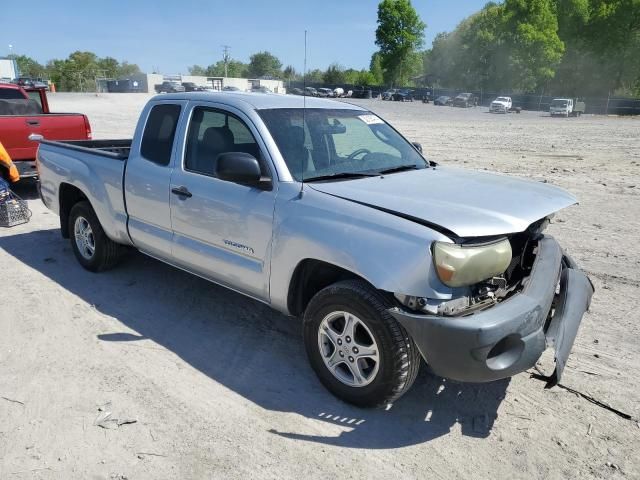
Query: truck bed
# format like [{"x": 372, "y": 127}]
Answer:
[
  {"x": 114, "y": 148},
  {"x": 98, "y": 167}
]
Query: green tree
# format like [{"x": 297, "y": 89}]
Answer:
[
  {"x": 315, "y": 76},
  {"x": 532, "y": 36},
  {"x": 197, "y": 70},
  {"x": 351, "y": 76},
  {"x": 107, "y": 67},
  {"x": 366, "y": 78},
  {"x": 263, "y": 64},
  {"x": 290, "y": 74},
  {"x": 399, "y": 35},
  {"x": 126, "y": 69},
  {"x": 614, "y": 35},
  {"x": 334, "y": 74},
  {"x": 28, "y": 67},
  {"x": 375, "y": 67}
]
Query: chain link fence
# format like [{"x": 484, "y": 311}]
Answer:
[{"x": 605, "y": 105}]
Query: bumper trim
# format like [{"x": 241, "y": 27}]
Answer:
[
  {"x": 570, "y": 307},
  {"x": 510, "y": 337}
]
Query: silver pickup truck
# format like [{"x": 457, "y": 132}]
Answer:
[{"x": 324, "y": 211}]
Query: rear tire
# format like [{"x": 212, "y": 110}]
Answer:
[
  {"x": 94, "y": 250},
  {"x": 374, "y": 362}
]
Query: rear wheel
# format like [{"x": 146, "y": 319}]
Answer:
[
  {"x": 358, "y": 350},
  {"x": 94, "y": 250}
]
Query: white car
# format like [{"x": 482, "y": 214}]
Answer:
[{"x": 501, "y": 105}]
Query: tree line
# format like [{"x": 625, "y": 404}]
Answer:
[
  {"x": 561, "y": 47},
  {"x": 568, "y": 47},
  {"x": 76, "y": 73}
]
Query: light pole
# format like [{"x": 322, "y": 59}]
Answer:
[{"x": 225, "y": 58}]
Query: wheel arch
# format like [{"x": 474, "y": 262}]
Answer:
[
  {"x": 309, "y": 277},
  {"x": 68, "y": 196}
]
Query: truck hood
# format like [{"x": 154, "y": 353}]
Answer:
[
  {"x": 466, "y": 203},
  {"x": 495, "y": 102}
]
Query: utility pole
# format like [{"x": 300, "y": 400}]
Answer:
[{"x": 225, "y": 58}]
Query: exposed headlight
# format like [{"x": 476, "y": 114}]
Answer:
[{"x": 459, "y": 265}]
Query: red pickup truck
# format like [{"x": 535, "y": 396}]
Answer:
[{"x": 24, "y": 111}]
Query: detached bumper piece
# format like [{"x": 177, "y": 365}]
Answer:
[{"x": 510, "y": 337}]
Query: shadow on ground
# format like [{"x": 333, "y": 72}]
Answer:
[
  {"x": 250, "y": 349},
  {"x": 26, "y": 189}
]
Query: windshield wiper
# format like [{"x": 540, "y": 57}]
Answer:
[
  {"x": 400, "y": 168},
  {"x": 341, "y": 175}
]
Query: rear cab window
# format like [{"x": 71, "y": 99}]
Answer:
[
  {"x": 159, "y": 133},
  {"x": 11, "y": 94}
]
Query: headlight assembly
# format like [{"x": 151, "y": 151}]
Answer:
[{"x": 460, "y": 265}]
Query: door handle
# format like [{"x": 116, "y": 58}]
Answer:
[
  {"x": 181, "y": 192},
  {"x": 35, "y": 123}
]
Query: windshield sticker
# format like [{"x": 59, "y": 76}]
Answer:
[{"x": 370, "y": 119}]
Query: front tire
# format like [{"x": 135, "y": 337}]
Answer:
[
  {"x": 360, "y": 353},
  {"x": 94, "y": 250}
]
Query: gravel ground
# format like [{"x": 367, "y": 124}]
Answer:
[{"x": 219, "y": 385}]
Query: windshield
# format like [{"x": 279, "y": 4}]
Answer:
[
  {"x": 559, "y": 103},
  {"x": 502, "y": 99},
  {"x": 333, "y": 142}
]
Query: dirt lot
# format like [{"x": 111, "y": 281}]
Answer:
[{"x": 219, "y": 386}]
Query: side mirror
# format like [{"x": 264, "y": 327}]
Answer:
[
  {"x": 238, "y": 167},
  {"x": 418, "y": 146}
]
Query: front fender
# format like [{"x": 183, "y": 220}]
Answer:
[{"x": 391, "y": 253}]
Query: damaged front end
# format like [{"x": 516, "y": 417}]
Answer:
[{"x": 501, "y": 325}]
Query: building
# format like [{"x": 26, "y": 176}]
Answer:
[
  {"x": 8, "y": 69},
  {"x": 146, "y": 82}
]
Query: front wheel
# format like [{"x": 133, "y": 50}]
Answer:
[{"x": 359, "y": 351}]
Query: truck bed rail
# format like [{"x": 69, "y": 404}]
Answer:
[{"x": 116, "y": 149}]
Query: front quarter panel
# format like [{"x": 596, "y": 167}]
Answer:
[{"x": 391, "y": 253}]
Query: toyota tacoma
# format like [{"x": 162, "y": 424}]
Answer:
[{"x": 323, "y": 211}]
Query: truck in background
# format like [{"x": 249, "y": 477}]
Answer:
[
  {"x": 503, "y": 105},
  {"x": 566, "y": 107},
  {"x": 25, "y": 111}
]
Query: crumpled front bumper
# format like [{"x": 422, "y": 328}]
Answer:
[{"x": 510, "y": 337}]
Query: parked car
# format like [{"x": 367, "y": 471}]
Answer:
[
  {"x": 566, "y": 107},
  {"x": 169, "y": 87},
  {"x": 338, "y": 92},
  {"x": 310, "y": 92},
  {"x": 388, "y": 94},
  {"x": 443, "y": 100},
  {"x": 261, "y": 89},
  {"x": 296, "y": 91},
  {"x": 465, "y": 100},
  {"x": 362, "y": 92},
  {"x": 25, "y": 111},
  {"x": 29, "y": 82},
  {"x": 192, "y": 87},
  {"x": 386, "y": 257},
  {"x": 403, "y": 96},
  {"x": 325, "y": 92}
]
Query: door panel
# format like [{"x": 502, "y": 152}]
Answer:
[
  {"x": 223, "y": 230},
  {"x": 148, "y": 176}
]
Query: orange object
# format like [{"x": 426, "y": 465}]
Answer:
[
  {"x": 52, "y": 88},
  {"x": 5, "y": 161}
]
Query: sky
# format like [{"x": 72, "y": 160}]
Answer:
[{"x": 168, "y": 37}]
